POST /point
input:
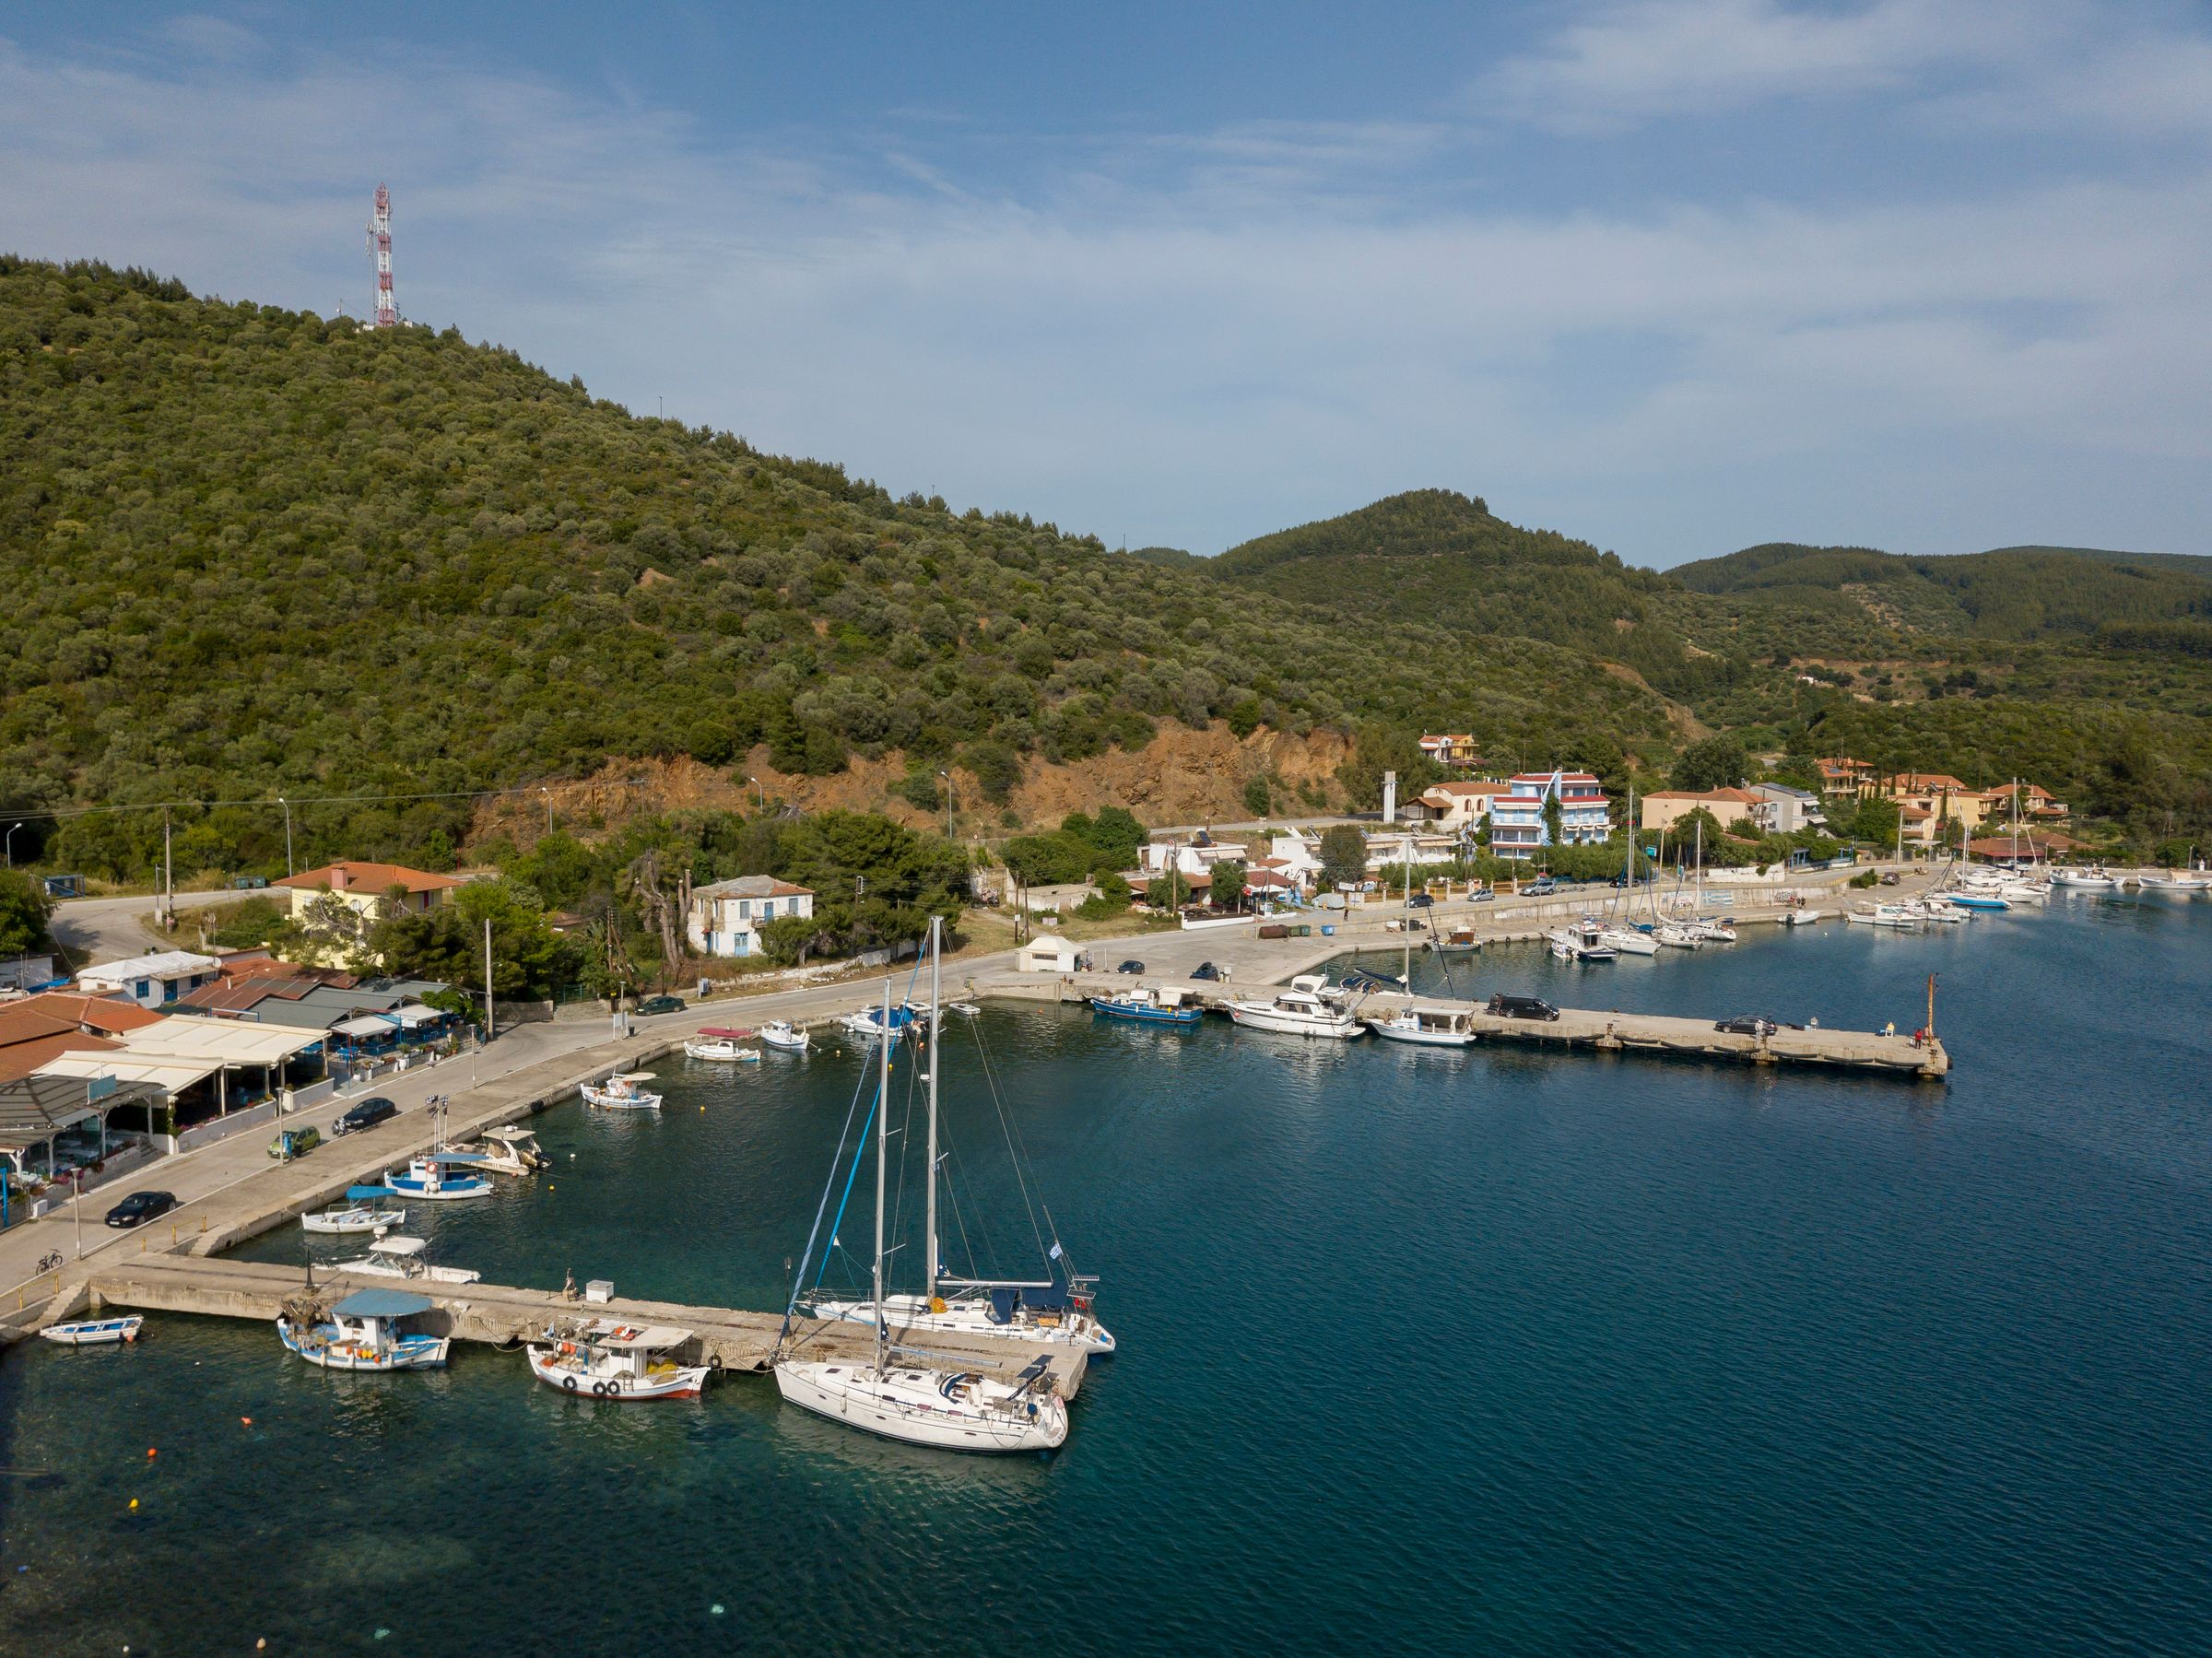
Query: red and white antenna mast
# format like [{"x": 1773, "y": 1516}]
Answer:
[{"x": 385, "y": 315}]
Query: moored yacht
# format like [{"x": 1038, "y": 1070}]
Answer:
[
  {"x": 401, "y": 1257},
  {"x": 1425, "y": 1027},
  {"x": 1152, "y": 1004},
  {"x": 1301, "y": 1010}
]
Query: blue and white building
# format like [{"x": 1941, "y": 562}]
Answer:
[
  {"x": 726, "y": 917},
  {"x": 1517, "y": 823}
]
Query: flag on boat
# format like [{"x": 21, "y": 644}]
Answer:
[{"x": 1053, "y": 1252}]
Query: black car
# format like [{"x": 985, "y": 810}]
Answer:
[
  {"x": 1420, "y": 900},
  {"x": 366, "y": 1114},
  {"x": 653, "y": 1005},
  {"x": 1746, "y": 1025},
  {"x": 140, "y": 1207},
  {"x": 1522, "y": 1007},
  {"x": 1206, "y": 969},
  {"x": 1130, "y": 967}
]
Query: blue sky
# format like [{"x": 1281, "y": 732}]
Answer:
[{"x": 1677, "y": 276}]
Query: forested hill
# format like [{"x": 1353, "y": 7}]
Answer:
[{"x": 245, "y": 550}]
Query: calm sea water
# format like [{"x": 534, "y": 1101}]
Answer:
[{"x": 1500, "y": 1351}]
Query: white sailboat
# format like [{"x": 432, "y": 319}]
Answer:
[{"x": 955, "y": 1409}]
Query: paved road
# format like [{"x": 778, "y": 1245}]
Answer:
[{"x": 107, "y": 929}]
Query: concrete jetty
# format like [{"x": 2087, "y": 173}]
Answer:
[{"x": 504, "y": 1316}]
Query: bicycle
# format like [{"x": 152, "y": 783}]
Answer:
[{"x": 50, "y": 1262}]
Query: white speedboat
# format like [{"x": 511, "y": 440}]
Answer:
[
  {"x": 1942, "y": 914},
  {"x": 605, "y": 1359},
  {"x": 882, "y": 1019},
  {"x": 1628, "y": 941},
  {"x": 2177, "y": 886},
  {"x": 367, "y": 1331},
  {"x": 439, "y": 1176},
  {"x": 1710, "y": 931},
  {"x": 511, "y": 1150},
  {"x": 1298, "y": 1011},
  {"x": 958, "y": 1410},
  {"x": 703, "y": 1046},
  {"x": 1425, "y": 1027},
  {"x": 620, "y": 1092},
  {"x": 401, "y": 1257},
  {"x": 1801, "y": 918},
  {"x": 362, "y": 1212},
  {"x": 1885, "y": 915},
  {"x": 1575, "y": 944},
  {"x": 94, "y": 1331},
  {"x": 785, "y": 1035}
]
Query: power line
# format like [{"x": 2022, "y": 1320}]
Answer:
[{"x": 305, "y": 800}]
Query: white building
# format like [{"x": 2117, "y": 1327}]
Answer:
[
  {"x": 1155, "y": 858},
  {"x": 1781, "y": 810},
  {"x": 1517, "y": 824},
  {"x": 725, "y": 917},
  {"x": 1394, "y": 849},
  {"x": 1049, "y": 953},
  {"x": 1455, "y": 805},
  {"x": 151, "y": 979}
]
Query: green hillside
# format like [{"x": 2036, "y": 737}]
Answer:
[{"x": 249, "y": 550}]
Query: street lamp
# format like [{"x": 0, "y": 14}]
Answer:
[
  {"x": 11, "y": 844},
  {"x": 760, "y": 803},
  {"x": 947, "y": 777},
  {"x": 548, "y": 795},
  {"x": 288, "y": 835}
]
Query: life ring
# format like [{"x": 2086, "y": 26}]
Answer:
[{"x": 568, "y": 1383}]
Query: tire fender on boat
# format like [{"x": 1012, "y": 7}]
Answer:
[{"x": 568, "y": 1383}]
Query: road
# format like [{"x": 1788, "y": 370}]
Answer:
[{"x": 108, "y": 929}]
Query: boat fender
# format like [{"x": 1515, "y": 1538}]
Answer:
[
  {"x": 599, "y": 1389},
  {"x": 568, "y": 1383}
]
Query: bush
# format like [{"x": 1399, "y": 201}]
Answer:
[{"x": 1258, "y": 800}]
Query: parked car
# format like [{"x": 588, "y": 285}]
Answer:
[
  {"x": 1130, "y": 967},
  {"x": 1522, "y": 1007},
  {"x": 1421, "y": 901},
  {"x": 1746, "y": 1025},
  {"x": 140, "y": 1207},
  {"x": 1482, "y": 894},
  {"x": 292, "y": 1142},
  {"x": 1543, "y": 887},
  {"x": 1206, "y": 969},
  {"x": 366, "y": 1114},
  {"x": 653, "y": 1005}
]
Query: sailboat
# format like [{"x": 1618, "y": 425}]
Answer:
[
  {"x": 1618, "y": 935},
  {"x": 1026, "y": 1310},
  {"x": 922, "y": 1404}
]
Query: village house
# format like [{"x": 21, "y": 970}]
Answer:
[
  {"x": 1939, "y": 795},
  {"x": 1518, "y": 826},
  {"x": 1192, "y": 858},
  {"x": 1456, "y": 749},
  {"x": 153, "y": 980},
  {"x": 1782, "y": 810},
  {"x": 1842, "y": 776},
  {"x": 725, "y": 917},
  {"x": 37, "y": 1028},
  {"x": 1456, "y": 807},
  {"x": 1049, "y": 953},
  {"x": 365, "y": 888},
  {"x": 2038, "y": 805},
  {"x": 1662, "y": 807}
]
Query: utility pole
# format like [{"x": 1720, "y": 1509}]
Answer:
[
  {"x": 491, "y": 1027},
  {"x": 169, "y": 878},
  {"x": 548, "y": 795},
  {"x": 11, "y": 844},
  {"x": 947, "y": 777},
  {"x": 287, "y": 804}
]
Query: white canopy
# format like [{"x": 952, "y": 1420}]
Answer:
[
  {"x": 367, "y": 1025},
  {"x": 174, "y": 1074},
  {"x": 224, "y": 1041},
  {"x": 398, "y": 1246},
  {"x": 415, "y": 1014}
]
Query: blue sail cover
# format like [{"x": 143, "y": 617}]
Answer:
[{"x": 363, "y": 1194}]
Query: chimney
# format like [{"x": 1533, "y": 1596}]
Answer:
[{"x": 338, "y": 882}]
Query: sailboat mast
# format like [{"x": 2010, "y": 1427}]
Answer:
[
  {"x": 1407, "y": 844},
  {"x": 936, "y": 1000},
  {"x": 883, "y": 1111}
]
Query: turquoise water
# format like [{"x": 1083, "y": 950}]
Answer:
[{"x": 1499, "y": 1351}]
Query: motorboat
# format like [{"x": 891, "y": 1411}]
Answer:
[
  {"x": 363, "y": 1211},
  {"x": 367, "y": 1331},
  {"x": 610, "y": 1360},
  {"x": 94, "y": 1331},
  {"x": 1456, "y": 941},
  {"x": 719, "y": 1045},
  {"x": 439, "y": 1176},
  {"x": 1966, "y": 899},
  {"x": 2179, "y": 884},
  {"x": 1628, "y": 941},
  {"x": 2094, "y": 877},
  {"x": 1885, "y": 915},
  {"x": 958, "y": 1410},
  {"x": 1425, "y": 1027},
  {"x": 785, "y": 1035},
  {"x": 620, "y": 1092},
  {"x": 511, "y": 1150},
  {"x": 1580, "y": 943},
  {"x": 1942, "y": 914},
  {"x": 1300, "y": 1010},
  {"x": 401, "y": 1257},
  {"x": 879, "y": 1020},
  {"x": 1801, "y": 918},
  {"x": 1152, "y": 1004}
]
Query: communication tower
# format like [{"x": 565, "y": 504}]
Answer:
[{"x": 385, "y": 314}]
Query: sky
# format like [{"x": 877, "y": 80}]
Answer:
[{"x": 1677, "y": 277}]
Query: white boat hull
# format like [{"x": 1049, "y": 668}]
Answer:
[
  {"x": 94, "y": 1333},
  {"x": 1628, "y": 941},
  {"x": 419, "y": 1271},
  {"x": 1391, "y": 1031},
  {"x": 1336, "y": 1028},
  {"x": 721, "y": 1051},
  {"x": 608, "y": 1102},
  {"x": 910, "y": 1314},
  {"x": 359, "y": 1218},
  {"x": 914, "y": 1406},
  {"x": 790, "y": 1038},
  {"x": 678, "y": 1382}
]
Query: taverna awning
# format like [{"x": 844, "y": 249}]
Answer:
[
  {"x": 218, "y": 1041},
  {"x": 366, "y": 1026}
]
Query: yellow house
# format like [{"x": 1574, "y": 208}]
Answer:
[
  {"x": 365, "y": 887},
  {"x": 1661, "y": 808}
]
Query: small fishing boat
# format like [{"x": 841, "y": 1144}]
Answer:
[
  {"x": 878, "y": 1020},
  {"x": 610, "y": 1360},
  {"x": 1302, "y": 1010},
  {"x": 367, "y": 1331},
  {"x": 511, "y": 1150},
  {"x": 2094, "y": 878},
  {"x": 439, "y": 1176},
  {"x": 1964, "y": 899},
  {"x": 1801, "y": 918},
  {"x": 620, "y": 1093},
  {"x": 1424, "y": 1027},
  {"x": 2178, "y": 886},
  {"x": 401, "y": 1257},
  {"x": 785, "y": 1035},
  {"x": 94, "y": 1331},
  {"x": 719, "y": 1045},
  {"x": 363, "y": 1211},
  {"x": 1457, "y": 941},
  {"x": 1152, "y": 1004}
]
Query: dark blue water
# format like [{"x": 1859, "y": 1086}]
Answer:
[{"x": 1501, "y": 1351}]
